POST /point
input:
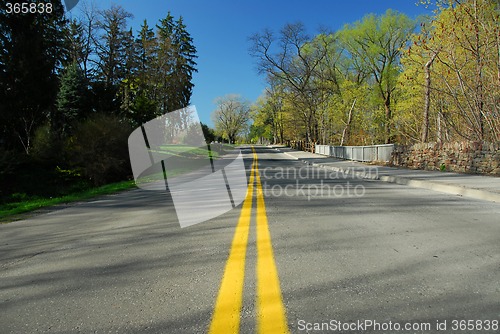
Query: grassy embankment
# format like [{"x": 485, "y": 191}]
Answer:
[
  {"x": 24, "y": 203},
  {"x": 30, "y": 204}
]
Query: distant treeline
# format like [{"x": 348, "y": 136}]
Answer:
[{"x": 382, "y": 80}]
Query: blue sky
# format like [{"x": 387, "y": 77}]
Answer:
[{"x": 220, "y": 29}]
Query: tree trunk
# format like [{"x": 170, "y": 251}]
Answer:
[
  {"x": 427, "y": 105},
  {"x": 439, "y": 135},
  {"x": 479, "y": 76},
  {"x": 388, "y": 116},
  {"x": 345, "y": 133}
]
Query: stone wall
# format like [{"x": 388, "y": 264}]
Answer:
[{"x": 462, "y": 157}]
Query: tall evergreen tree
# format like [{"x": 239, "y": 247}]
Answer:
[
  {"x": 176, "y": 57},
  {"x": 165, "y": 65},
  {"x": 71, "y": 101},
  {"x": 143, "y": 88},
  {"x": 147, "y": 52},
  {"x": 112, "y": 47},
  {"x": 111, "y": 51},
  {"x": 185, "y": 62},
  {"x": 128, "y": 84},
  {"x": 75, "y": 42}
]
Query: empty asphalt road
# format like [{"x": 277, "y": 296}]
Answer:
[{"x": 309, "y": 251}]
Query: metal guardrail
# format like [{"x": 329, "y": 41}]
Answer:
[{"x": 357, "y": 153}]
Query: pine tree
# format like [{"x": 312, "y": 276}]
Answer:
[
  {"x": 177, "y": 55},
  {"x": 185, "y": 62},
  {"x": 144, "y": 107},
  {"x": 112, "y": 48},
  {"x": 71, "y": 101},
  {"x": 128, "y": 85},
  {"x": 111, "y": 66},
  {"x": 75, "y": 41},
  {"x": 165, "y": 65},
  {"x": 147, "y": 51}
]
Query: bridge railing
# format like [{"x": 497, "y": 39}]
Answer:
[{"x": 357, "y": 153}]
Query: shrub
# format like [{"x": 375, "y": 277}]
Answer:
[
  {"x": 9, "y": 163},
  {"x": 46, "y": 146},
  {"x": 99, "y": 149}
]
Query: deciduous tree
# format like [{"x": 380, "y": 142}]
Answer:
[
  {"x": 231, "y": 116},
  {"x": 376, "y": 43}
]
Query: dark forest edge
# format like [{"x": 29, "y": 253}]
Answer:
[{"x": 71, "y": 92}]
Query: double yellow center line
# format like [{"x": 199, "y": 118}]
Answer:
[{"x": 271, "y": 317}]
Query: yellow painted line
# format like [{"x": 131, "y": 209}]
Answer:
[
  {"x": 271, "y": 315},
  {"x": 226, "y": 317}
]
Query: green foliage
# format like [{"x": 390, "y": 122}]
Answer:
[
  {"x": 38, "y": 179},
  {"x": 99, "y": 148},
  {"x": 70, "y": 102},
  {"x": 297, "y": 64},
  {"x": 259, "y": 134},
  {"x": 439, "y": 84},
  {"x": 175, "y": 65},
  {"x": 146, "y": 46},
  {"x": 143, "y": 109},
  {"x": 192, "y": 137},
  {"x": 75, "y": 41},
  {"x": 332, "y": 88},
  {"x": 104, "y": 98},
  {"x": 21, "y": 202},
  {"x": 59, "y": 77},
  {"x": 9, "y": 163},
  {"x": 231, "y": 117},
  {"x": 450, "y": 74},
  {"x": 375, "y": 43},
  {"x": 208, "y": 133},
  {"x": 47, "y": 146},
  {"x": 31, "y": 52}
]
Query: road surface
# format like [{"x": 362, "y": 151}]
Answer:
[{"x": 307, "y": 252}]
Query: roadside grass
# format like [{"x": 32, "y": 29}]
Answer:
[
  {"x": 27, "y": 204},
  {"x": 20, "y": 204},
  {"x": 8, "y": 210}
]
